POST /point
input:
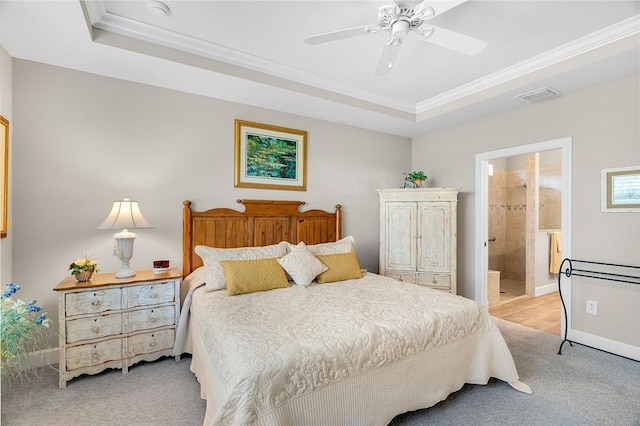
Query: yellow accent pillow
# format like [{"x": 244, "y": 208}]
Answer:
[
  {"x": 342, "y": 266},
  {"x": 249, "y": 276},
  {"x": 211, "y": 257}
]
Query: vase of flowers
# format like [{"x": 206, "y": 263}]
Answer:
[
  {"x": 24, "y": 330},
  {"x": 84, "y": 268}
]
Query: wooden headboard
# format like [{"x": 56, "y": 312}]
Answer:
[{"x": 263, "y": 222}]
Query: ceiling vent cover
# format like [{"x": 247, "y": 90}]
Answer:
[{"x": 539, "y": 95}]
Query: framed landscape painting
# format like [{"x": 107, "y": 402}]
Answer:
[
  {"x": 270, "y": 157},
  {"x": 4, "y": 186}
]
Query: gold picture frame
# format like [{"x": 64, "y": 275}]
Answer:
[
  {"x": 4, "y": 196},
  {"x": 270, "y": 157},
  {"x": 620, "y": 189}
]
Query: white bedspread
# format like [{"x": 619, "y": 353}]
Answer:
[{"x": 269, "y": 353}]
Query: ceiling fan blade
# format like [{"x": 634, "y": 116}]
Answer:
[
  {"x": 408, "y": 4},
  {"x": 388, "y": 56},
  {"x": 341, "y": 34},
  {"x": 442, "y": 6},
  {"x": 453, "y": 40}
]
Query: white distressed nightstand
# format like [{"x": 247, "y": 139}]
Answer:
[{"x": 113, "y": 323}]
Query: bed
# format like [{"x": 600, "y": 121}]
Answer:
[{"x": 346, "y": 347}]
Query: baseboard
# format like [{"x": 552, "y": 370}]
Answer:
[
  {"x": 545, "y": 289},
  {"x": 604, "y": 344},
  {"x": 43, "y": 358}
]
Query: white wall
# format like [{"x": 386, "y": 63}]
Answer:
[
  {"x": 6, "y": 112},
  {"x": 83, "y": 141},
  {"x": 545, "y": 282},
  {"x": 604, "y": 122}
]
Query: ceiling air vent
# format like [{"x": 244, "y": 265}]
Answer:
[{"x": 539, "y": 95}]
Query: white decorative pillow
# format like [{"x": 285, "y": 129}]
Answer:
[
  {"x": 344, "y": 245},
  {"x": 211, "y": 257},
  {"x": 301, "y": 265}
]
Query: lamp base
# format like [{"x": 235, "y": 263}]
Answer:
[
  {"x": 124, "y": 252},
  {"x": 125, "y": 273}
]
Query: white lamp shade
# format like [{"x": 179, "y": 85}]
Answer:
[{"x": 125, "y": 214}]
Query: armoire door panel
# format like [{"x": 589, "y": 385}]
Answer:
[
  {"x": 401, "y": 236},
  {"x": 434, "y": 239}
]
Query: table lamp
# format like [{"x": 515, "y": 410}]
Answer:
[{"x": 125, "y": 214}]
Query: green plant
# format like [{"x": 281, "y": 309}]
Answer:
[
  {"x": 417, "y": 174},
  {"x": 84, "y": 264},
  {"x": 23, "y": 330}
]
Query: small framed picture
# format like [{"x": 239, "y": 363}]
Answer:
[{"x": 620, "y": 189}]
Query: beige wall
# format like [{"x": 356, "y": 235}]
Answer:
[
  {"x": 83, "y": 141},
  {"x": 6, "y": 112},
  {"x": 604, "y": 122}
]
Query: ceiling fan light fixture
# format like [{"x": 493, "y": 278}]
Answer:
[
  {"x": 423, "y": 12},
  {"x": 426, "y": 33},
  {"x": 400, "y": 29},
  {"x": 398, "y": 21}
]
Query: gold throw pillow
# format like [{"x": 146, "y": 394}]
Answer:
[
  {"x": 249, "y": 276},
  {"x": 342, "y": 266}
]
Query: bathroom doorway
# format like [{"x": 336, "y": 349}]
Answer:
[
  {"x": 525, "y": 177},
  {"x": 524, "y": 213}
]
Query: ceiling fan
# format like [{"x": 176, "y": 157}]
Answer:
[{"x": 399, "y": 20}]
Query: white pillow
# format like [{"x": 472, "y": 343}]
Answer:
[
  {"x": 211, "y": 257},
  {"x": 344, "y": 245},
  {"x": 301, "y": 265}
]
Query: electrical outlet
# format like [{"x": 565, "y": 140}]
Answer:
[{"x": 592, "y": 307}]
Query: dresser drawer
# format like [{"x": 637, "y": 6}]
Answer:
[
  {"x": 94, "y": 354},
  {"x": 407, "y": 277},
  {"x": 146, "y": 319},
  {"x": 94, "y": 327},
  {"x": 148, "y": 343},
  {"x": 439, "y": 281},
  {"x": 92, "y": 302},
  {"x": 150, "y": 294}
]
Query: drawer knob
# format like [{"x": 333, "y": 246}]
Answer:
[
  {"x": 95, "y": 330},
  {"x": 152, "y": 344},
  {"x": 96, "y": 303},
  {"x": 434, "y": 281},
  {"x": 95, "y": 356}
]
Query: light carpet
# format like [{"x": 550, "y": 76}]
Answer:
[{"x": 583, "y": 386}]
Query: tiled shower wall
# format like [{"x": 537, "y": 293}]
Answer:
[
  {"x": 508, "y": 212},
  {"x": 550, "y": 197},
  {"x": 497, "y": 217}
]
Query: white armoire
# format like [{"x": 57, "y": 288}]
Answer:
[{"x": 418, "y": 236}]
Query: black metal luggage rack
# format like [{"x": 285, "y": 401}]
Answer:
[{"x": 598, "y": 271}]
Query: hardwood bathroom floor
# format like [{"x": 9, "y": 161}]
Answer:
[{"x": 542, "y": 312}]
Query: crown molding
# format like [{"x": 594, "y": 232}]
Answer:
[
  {"x": 598, "y": 39},
  {"x": 101, "y": 19},
  {"x": 105, "y": 21}
]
